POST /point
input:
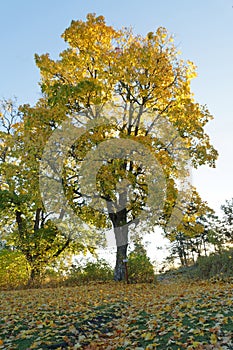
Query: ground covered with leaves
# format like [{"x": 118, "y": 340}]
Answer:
[{"x": 166, "y": 315}]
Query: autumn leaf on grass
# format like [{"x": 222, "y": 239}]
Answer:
[
  {"x": 176, "y": 334},
  {"x": 152, "y": 346},
  {"x": 148, "y": 336},
  {"x": 196, "y": 331},
  {"x": 214, "y": 329},
  {"x": 73, "y": 330},
  {"x": 213, "y": 338}
]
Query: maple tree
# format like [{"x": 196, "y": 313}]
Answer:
[
  {"x": 119, "y": 86},
  {"x": 25, "y": 225}
]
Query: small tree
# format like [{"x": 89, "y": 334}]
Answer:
[
  {"x": 189, "y": 239},
  {"x": 227, "y": 222},
  {"x": 140, "y": 268}
]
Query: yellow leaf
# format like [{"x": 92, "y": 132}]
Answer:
[
  {"x": 148, "y": 336},
  {"x": 213, "y": 338}
]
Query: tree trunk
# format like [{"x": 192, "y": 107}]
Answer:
[
  {"x": 121, "y": 255},
  {"x": 204, "y": 246},
  {"x": 118, "y": 215},
  {"x": 35, "y": 276},
  {"x": 121, "y": 236},
  {"x": 120, "y": 227},
  {"x": 185, "y": 258},
  {"x": 180, "y": 253}
]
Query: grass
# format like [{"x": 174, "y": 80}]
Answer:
[{"x": 167, "y": 315}]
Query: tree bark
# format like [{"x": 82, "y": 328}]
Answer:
[
  {"x": 35, "y": 276},
  {"x": 121, "y": 255},
  {"x": 120, "y": 226}
]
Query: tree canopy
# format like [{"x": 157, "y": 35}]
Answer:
[{"x": 113, "y": 136}]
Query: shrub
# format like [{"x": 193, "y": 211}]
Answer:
[
  {"x": 99, "y": 270},
  {"x": 92, "y": 271},
  {"x": 215, "y": 265},
  {"x": 140, "y": 268}
]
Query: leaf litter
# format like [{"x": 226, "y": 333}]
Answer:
[{"x": 178, "y": 315}]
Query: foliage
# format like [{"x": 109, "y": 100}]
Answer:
[
  {"x": 191, "y": 238},
  {"x": 215, "y": 265},
  {"x": 13, "y": 269},
  {"x": 135, "y": 83},
  {"x": 119, "y": 316},
  {"x": 201, "y": 232},
  {"x": 25, "y": 224},
  {"x": 227, "y": 208},
  {"x": 140, "y": 268},
  {"x": 99, "y": 270},
  {"x": 227, "y": 222}
]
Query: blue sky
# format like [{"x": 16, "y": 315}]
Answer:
[{"x": 203, "y": 30}]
